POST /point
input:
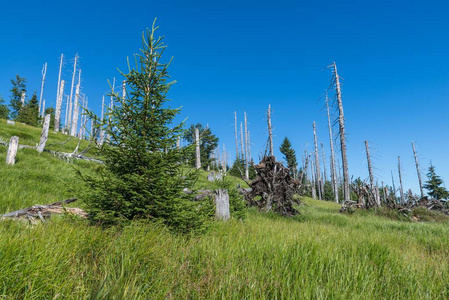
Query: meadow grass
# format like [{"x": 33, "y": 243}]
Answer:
[{"x": 319, "y": 254}]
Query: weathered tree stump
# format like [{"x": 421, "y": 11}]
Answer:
[
  {"x": 44, "y": 135},
  {"x": 12, "y": 150},
  {"x": 222, "y": 205}
]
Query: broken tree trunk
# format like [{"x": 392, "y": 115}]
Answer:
[
  {"x": 246, "y": 150},
  {"x": 76, "y": 107},
  {"x": 236, "y": 137},
  {"x": 371, "y": 176},
  {"x": 417, "y": 170},
  {"x": 197, "y": 148},
  {"x": 222, "y": 205},
  {"x": 44, "y": 72},
  {"x": 400, "y": 181},
  {"x": 59, "y": 79},
  {"x": 341, "y": 121},
  {"x": 58, "y": 106},
  {"x": 44, "y": 135},
  {"x": 12, "y": 150},
  {"x": 333, "y": 166},
  {"x": 69, "y": 115},
  {"x": 317, "y": 163},
  {"x": 270, "y": 132}
]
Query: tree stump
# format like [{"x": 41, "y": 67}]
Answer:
[
  {"x": 222, "y": 205},
  {"x": 44, "y": 135},
  {"x": 12, "y": 150}
]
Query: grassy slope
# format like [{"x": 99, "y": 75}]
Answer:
[{"x": 319, "y": 254}]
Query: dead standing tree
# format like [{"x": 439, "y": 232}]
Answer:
[
  {"x": 44, "y": 72},
  {"x": 417, "y": 170},
  {"x": 371, "y": 176},
  {"x": 341, "y": 122},
  {"x": 317, "y": 163},
  {"x": 333, "y": 166}
]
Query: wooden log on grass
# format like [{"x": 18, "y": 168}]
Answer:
[{"x": 12, "y": 150}]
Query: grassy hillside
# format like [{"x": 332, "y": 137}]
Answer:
[{"x": 319, "y": 254}]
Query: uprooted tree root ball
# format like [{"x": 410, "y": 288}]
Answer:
[{"x": 275, "y": 187}]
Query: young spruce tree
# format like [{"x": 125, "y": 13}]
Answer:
[
  {"x": 142, "y": 176},
  {"x": 289, "y": 156},
  {"x": 433, "y": 185}
]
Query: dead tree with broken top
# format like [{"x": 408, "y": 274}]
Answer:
[
  {"x": 400, "y": 181},
  {"x": 246, "y": 149},
  {"x": 341, "y": 122},
  {"x": 417, "y": 170},
  {"x": 332, "y": 162},
  {"x": 44, "y": 72},
  {"x": 270, "y": 132},
  {"x": 371, "y": 176},
  {"x": 317, "y": 163}
]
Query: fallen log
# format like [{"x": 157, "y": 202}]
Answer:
[{"x": 43, "y": 211}]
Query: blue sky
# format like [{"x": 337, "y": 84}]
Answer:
[{"x": 243, "y": 55}]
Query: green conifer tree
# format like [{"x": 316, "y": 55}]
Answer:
[
  {"x": 433, "y": 185},
  {"x": 18, "y": 87},
  {"x": 289, "y": 156},
  {"x": 29, "y": 113},
  {"x": 4, "y": 111},
  {"x": 142, "y": 175}
]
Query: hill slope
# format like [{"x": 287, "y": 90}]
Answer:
[{"x": 319, "y": 254}]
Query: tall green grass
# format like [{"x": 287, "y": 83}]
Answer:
[{"x": 319, "y": 254}]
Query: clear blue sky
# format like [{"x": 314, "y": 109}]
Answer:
[{"x": 243, "y": 55}]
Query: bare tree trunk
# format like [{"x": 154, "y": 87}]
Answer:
[
  {"x": 371, "y": 176},
  {"x": 341, "y": 121},
  {"x": 246, "y": 149},
  {"x": 270, "y": 133},
  {"x": 102, "y": 119},
  {"x": 324, "y": 165},
  {"x": 384, "y": 198},
  {"x": 43, "y": 110},
  {"x": 222, "y": 205},
  {"x": 317, "y": 163},
  {"x": 197, "y": 148},
  {"x": 313, "y": 181},
  {"x": 249, "y": 148},
  {"x": 333, "y": 166},
  {"x": 241, "y": 142},
  {"x": 59, "y": 80},
  {"x": 12, "y": 150},
  {"x": 224, "y": 159},
  {"x": 394, "y": 188},
  {"x": 400, "y": 180},
  {"x": 58, "y": 106},
  {"x": 124, "y": 89},
  {"x": 44, "y": 72},
  {"x": 66, "y": 114},
  {"x": 44, "y": 135},
  {"x": 417, "y": 170},
  {"x": 236, "y": 136},
  {"x": 74, "y": 128},
  {"x": 69, "y": 118},
  {"x": 22, "y": 98}
]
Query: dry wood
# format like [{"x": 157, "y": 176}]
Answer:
[
  {"x": 44, "y": 72},
  {"x": 371, "y": 176},
  {"x": 58, "y": 95},
  {"x": 341, "y": 121},
  {"x": 12, "y": 150},
  {"x": 333, "y": 167},
  {"x": 400, "y": 180},
  {"x": 417, "y": 170},
  {"x": 222, "y": 205},
  {"x": 246, "y": 150},
  {"x": 44, "y": 135},
  {"x": 275, "y": 186},
  {"x": 236, "y": 137},
  {"x": 76, "y": 107},
  {"x": 270, "y": 133},
  {"x": 69, "y": 116},
  {"x": 197, "y": 148},
  {"x": 58, "y": 106},
  {"x": 42, "y": 211},
  {"x": 317, "y": 163}
]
